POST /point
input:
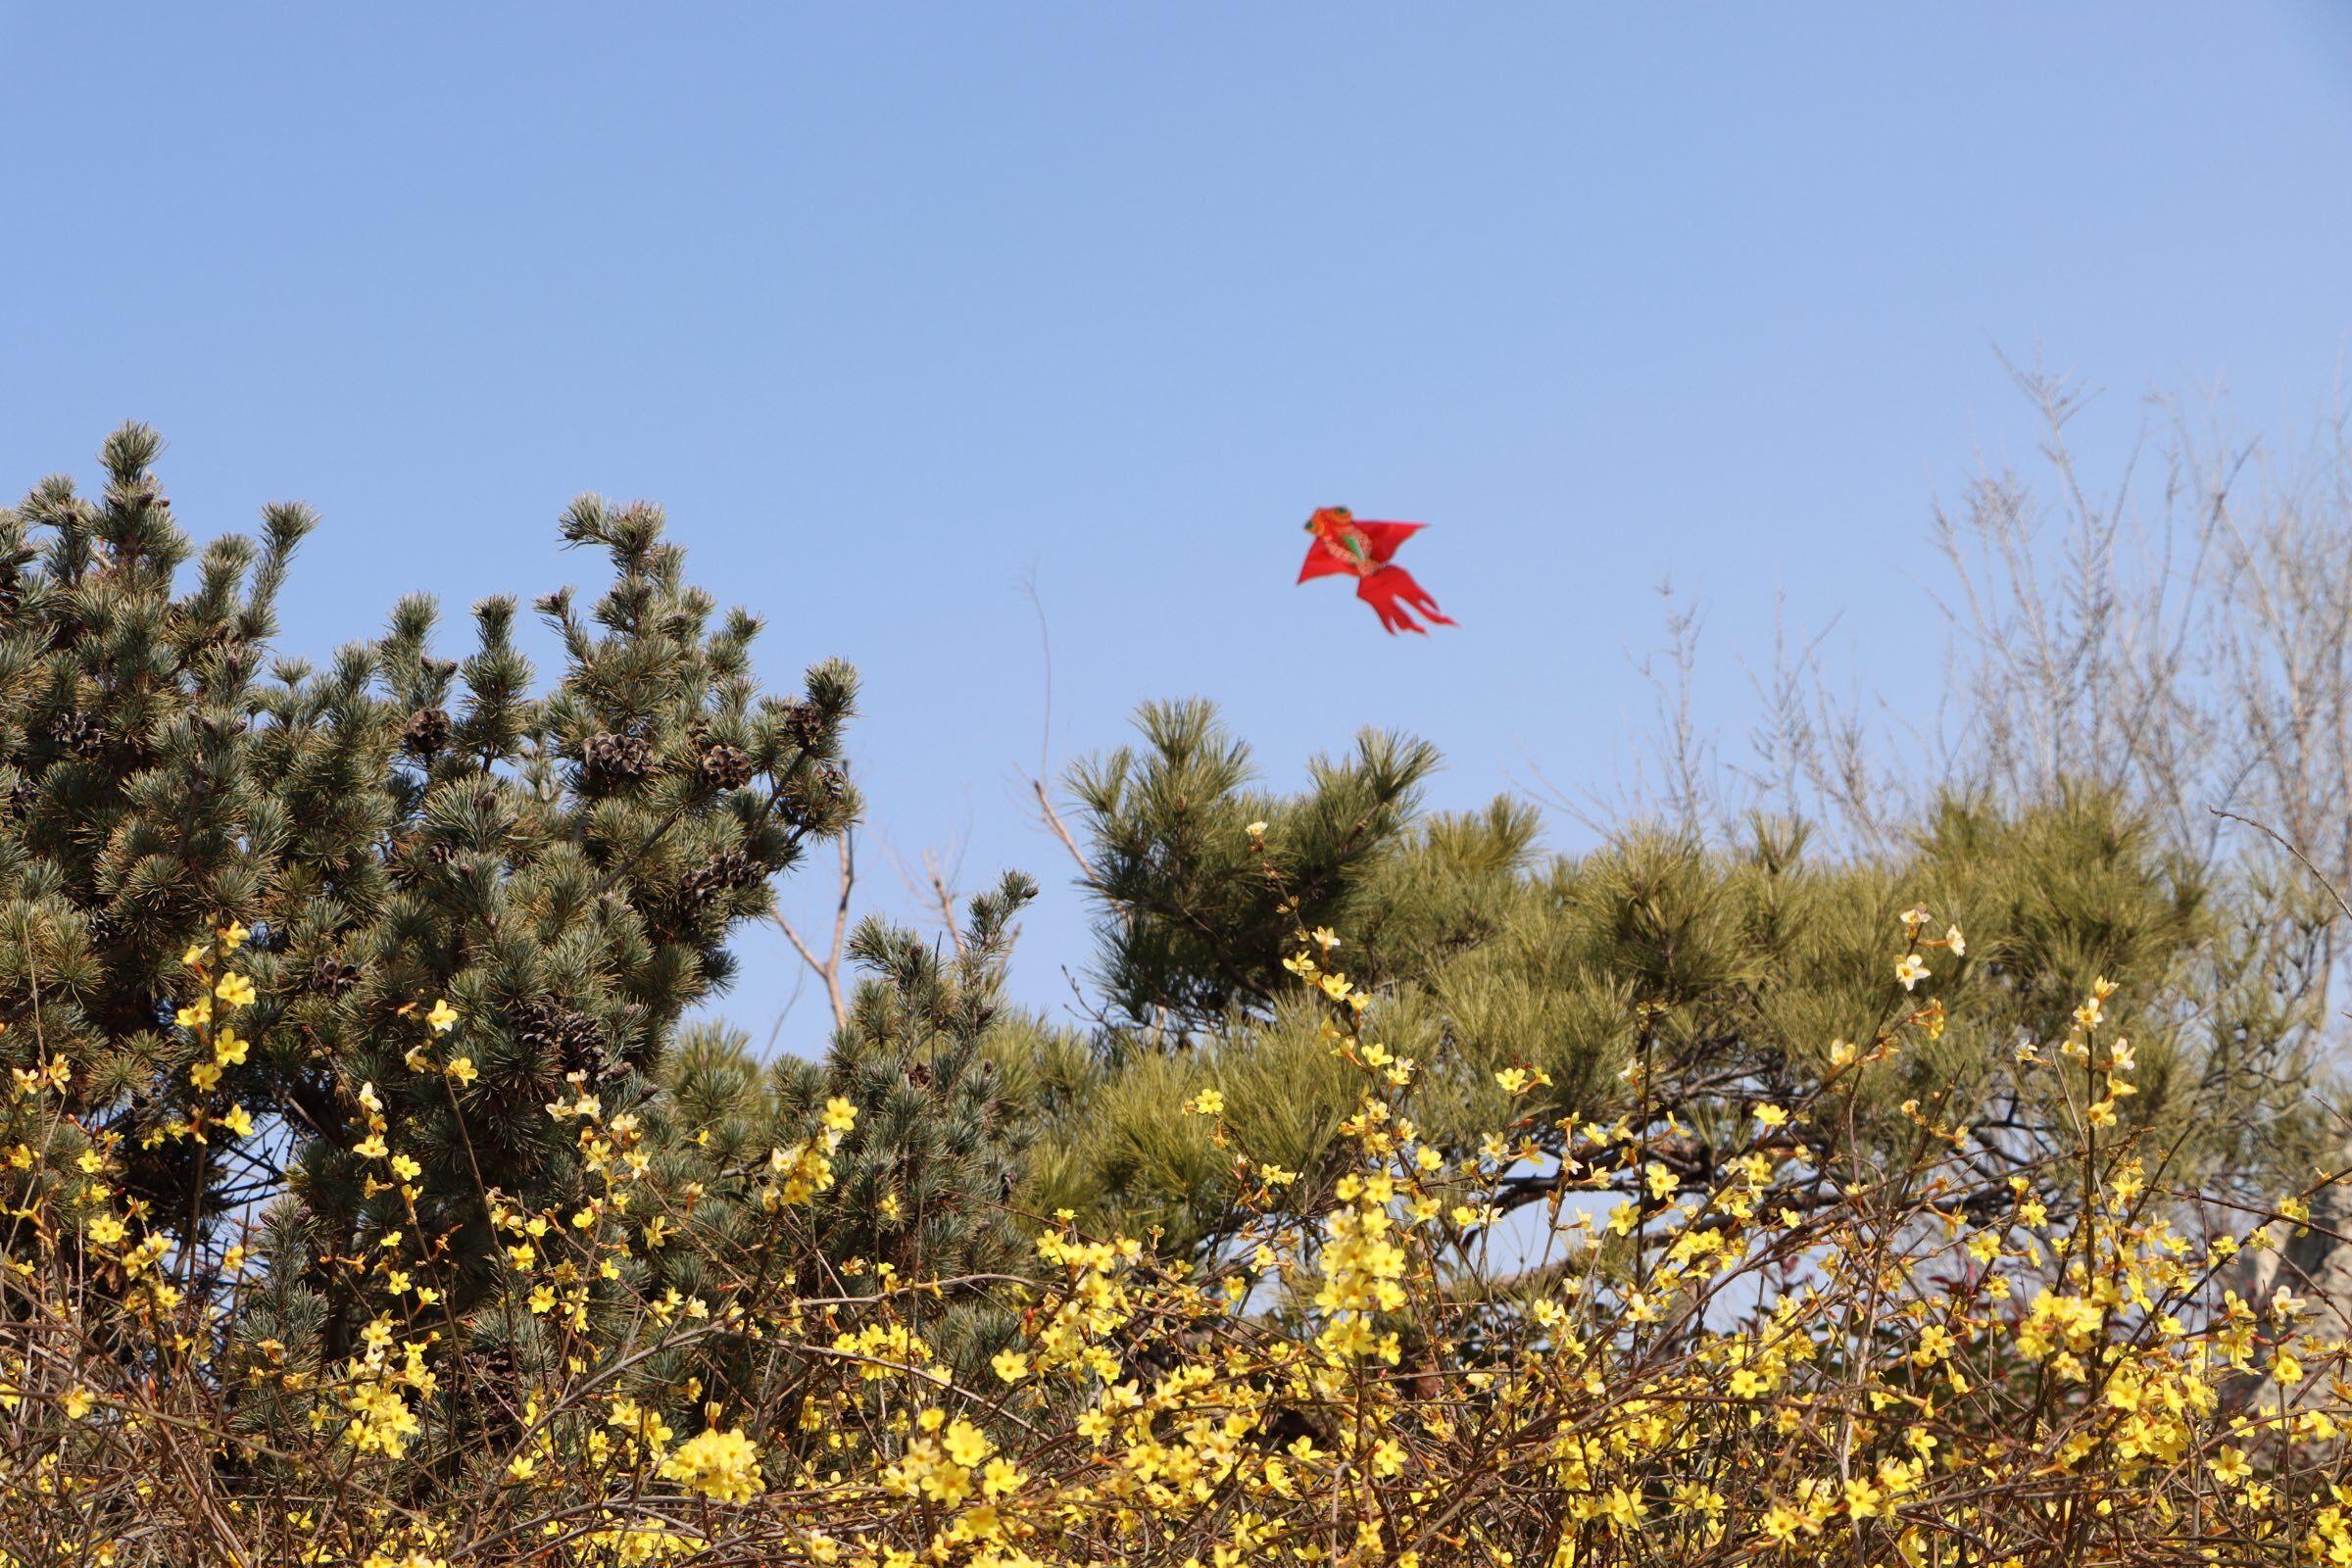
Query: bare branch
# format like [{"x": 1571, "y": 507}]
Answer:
[{"x": 829, "y": 967}]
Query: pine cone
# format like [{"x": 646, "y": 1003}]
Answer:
[
  {"x": 428, "y": 731},
  {"x": 418, "y": 855},
  {"x": 724, "y": 767},
  {"x": 331, "y": 976},
  {"x": 614, "y": 762},
  {"x": 12, "y": 587},
  {"x": 805, "y": 722},
  {"x": 798, "y": 813},
  {"x": 564, "y": 1035},
  {"x": 80, "y": 734},
  {"x": 721, "y": 874}
]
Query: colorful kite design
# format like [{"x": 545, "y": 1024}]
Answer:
[{"x": 1363, "y": 551}]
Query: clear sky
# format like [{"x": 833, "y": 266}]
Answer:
[{"x": 895, "y": 307}]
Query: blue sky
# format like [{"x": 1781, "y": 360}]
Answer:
[{"x": 898, "y": 307}]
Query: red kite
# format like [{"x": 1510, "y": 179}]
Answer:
[{"x": 1363, "y": 550}]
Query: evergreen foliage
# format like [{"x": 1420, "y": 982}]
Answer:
[
  {"x": 920, "y": 1191},
  {"x": 1653, "y": 982},
  {"x": 393, "y": 829}
]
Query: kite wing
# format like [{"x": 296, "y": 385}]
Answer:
[
  {"x": 1322, "y": 561},
  {"x": 1385, "y": 537}
]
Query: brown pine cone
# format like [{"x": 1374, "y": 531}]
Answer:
[
  {"x": 428, "y": 731},
  {"x": 724, "y": 767},
  {"x": 80, "y": 734},
  {"x": 614, "y": 762},
  {"x": 564, "y": 1035},
  {"x": 805, "y": 725}
]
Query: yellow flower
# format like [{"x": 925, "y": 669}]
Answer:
[
  {"x": 233, "y": 935},
  {"x": 442, "y": 1016},
  {"x": 1772, "y": 1116},
  {"x": 238, "y": 1121},
  {"x": 405, "y": 1167},
  {"x": 1207, "y": 1103},
  {"x": 1909, "y": 970},
  {"x": 77, "y": 1404},
  {"x": 195, "y": 1013},
  {"x": 1011, "y": 1365},
  {"x": 228, "y": 1049},
  {"x": 964, "y": 1442},
  {"x": 723, "y": 1465},
  {"x": 1624, "y": 1508},
  {"x": 840, "y": 1114},
  {"x": 105, "y": 1230},
  {"x": 462, "y": 1069},
  {"x": 370, "y": 1146},
  {"x": 235, "y": 990}
]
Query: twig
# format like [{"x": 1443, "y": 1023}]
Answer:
[
  {"x": 828, "y": 969},
  {"x": 2277, "y": 838},
  {"x": 935, "y": 887},
  {"x": 1044, "y": 744}
]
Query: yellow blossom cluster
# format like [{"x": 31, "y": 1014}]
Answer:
[{"x": 1433, "y": 1349}]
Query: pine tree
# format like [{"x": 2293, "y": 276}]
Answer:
[
  {"x": 564, "y": 870},
  {"x": 560, "y": 869},
  {"x": 919, "y": 1187},
  {"x": 1653, "y": 985},
  {"x": 1192, "y": 927},
  {"x": 137, "y": 808}
]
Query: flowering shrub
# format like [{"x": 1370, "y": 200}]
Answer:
[{"x": 1960, "y": 1356}]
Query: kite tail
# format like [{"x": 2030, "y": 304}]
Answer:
[{"x": 1393, "y": 597}]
